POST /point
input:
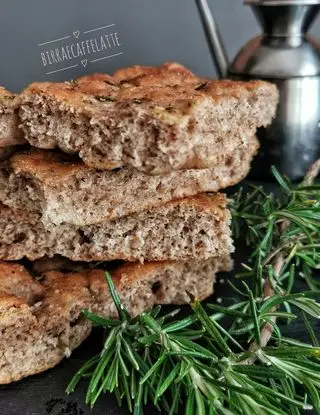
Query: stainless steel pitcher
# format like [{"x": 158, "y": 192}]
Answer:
[{"x": 286, "y": 55}]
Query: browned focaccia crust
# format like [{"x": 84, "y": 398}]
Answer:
[
  {"x": 197, "y": 227},
  {"x": 66, "y": 191},
  {"x": 10, "y": 134},
  {"x": 41, "y": 321},
  {"x": 153, "y": 119}
]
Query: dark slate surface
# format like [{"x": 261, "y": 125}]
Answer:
[{"x": 44, "y": 394}]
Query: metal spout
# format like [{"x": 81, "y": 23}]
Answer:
[{"x": 216, "y": 46}]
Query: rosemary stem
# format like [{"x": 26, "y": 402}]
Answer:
[
  {"x": 268, "y": 291},
  {"x": 312, "y": 173},
  {"x": 277, "y": 264}
]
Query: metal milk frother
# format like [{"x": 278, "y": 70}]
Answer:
[{"x": 286, "y": 55}]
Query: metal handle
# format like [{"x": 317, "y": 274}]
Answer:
[{"x": 216, "y": 46}]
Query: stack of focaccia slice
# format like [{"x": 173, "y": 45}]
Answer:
[{"x": 127, "y": 168}]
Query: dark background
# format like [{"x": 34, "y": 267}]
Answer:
[{"x": 151, "y": 32}]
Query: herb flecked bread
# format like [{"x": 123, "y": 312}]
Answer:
[
  {"x": 41, "y": 321},
  {"x": 65, "y": 191},
  {"x": 197, "y": 227},
  {"x": 153, "y": 119}
]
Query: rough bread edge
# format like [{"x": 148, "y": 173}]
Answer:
[
  {"x": 156, "y": 122},
  {"x": 42, "y": 324},
  {"x": 197, "y": 227},
  {"x": 64, "y": 191},
  {"x": 10, "y": 133}
]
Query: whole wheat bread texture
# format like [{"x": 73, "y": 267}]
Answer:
[
  {"x": 10, "y": 134},
  {"x": 153, "y": 119},
  {"x": 192, "y": 228},
  {"x": 68, "y": 191},
  {"x": 41, "y": 321}
]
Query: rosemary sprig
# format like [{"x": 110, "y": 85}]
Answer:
[{"x": 207, "y": 365}]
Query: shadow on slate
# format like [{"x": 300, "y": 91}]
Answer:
[{"x": 44, "y": 394}]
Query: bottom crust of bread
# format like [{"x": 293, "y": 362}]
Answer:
[{"x": 41, "y": 320}]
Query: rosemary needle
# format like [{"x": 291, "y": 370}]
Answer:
[{"x": 195, "y": 364}]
